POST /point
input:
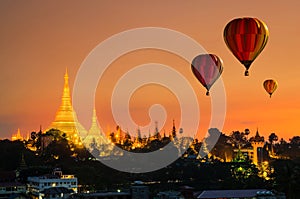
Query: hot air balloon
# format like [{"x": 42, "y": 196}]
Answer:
[
  {"x": 207, "y": 68},
  {"x": 270, "y": 86},
  {"x": 246, "y": 38}
]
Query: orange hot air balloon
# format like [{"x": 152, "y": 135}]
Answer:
[
  {"x": 207, "y": 68},
  {"x": 270, "y": 86},
  {"x": 246, "y": 38}
]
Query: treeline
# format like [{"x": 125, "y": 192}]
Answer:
[{"x": 209, "y": 173}]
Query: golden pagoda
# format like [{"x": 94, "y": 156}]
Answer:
[
  {"x": 17, "y": 136},
  {"x": 66, "y": 119},
  {"x": 94, "y": 136}
]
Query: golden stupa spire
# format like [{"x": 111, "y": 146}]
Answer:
[
  {"x": 65, "y": 112},
  {"x": 94, "y": 130},
  {"x": 94, "y": 135},
  {"x": 66, "y": 99},
  {"x": 17, "y": 136},
  {"x": 65, "y": 119}
]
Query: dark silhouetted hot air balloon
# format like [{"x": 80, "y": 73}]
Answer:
[
  {"x": 246, "y": 38},
  {"x": 270, "y": 86},
  {"x": 207, "y": 68}
]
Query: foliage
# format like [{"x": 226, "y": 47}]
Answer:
[
  {"x": 208, "y": 174},
  {"x": 287, "y": 177}
]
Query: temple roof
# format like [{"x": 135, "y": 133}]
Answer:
[{"x": 257, "y": 138}]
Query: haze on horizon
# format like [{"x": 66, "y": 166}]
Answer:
[{"x": 39, "y": 40}]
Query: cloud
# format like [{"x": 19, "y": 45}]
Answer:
[{"x": 248, "y": 122}]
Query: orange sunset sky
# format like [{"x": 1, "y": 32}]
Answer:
[{"x": 40, "y": 39}]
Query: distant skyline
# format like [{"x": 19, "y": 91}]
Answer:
[{"x": 39, "y": 40}]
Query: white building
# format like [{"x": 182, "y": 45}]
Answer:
[
  {"x": 9, "y": 188},
  {"x": 38, "y": 185}
]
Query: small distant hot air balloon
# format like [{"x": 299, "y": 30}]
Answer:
[
  {"x": 270, "y": 86},
  {"x": 246, "y": 38},
  {"x": 207, "y": 68}
]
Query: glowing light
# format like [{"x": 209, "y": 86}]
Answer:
[
  {"x": 240, "y": 169},
  {"x": 17, "y": 136},
  {"x": 66, "y": 119}
]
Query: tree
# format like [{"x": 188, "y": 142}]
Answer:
[
  {"x": 282, "y": 142},
  {"x": 247, "y": 132},
  {"x": 273, "y": 137},
  {"x": 59, "y": 150},
  {"x": 113, "y": 137},
  {"x": 294, "y": 151},
  {"x": 238, "y": 138},
  {"x": 295, "y": 140},
  {"x": 139, "y": 135},
  {"x": 33, "y": 135},
  {"x": 287, "y": 177},
  {"x": 57, "y": 134}
]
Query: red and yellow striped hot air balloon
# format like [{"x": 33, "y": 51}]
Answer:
[
  {"x": 207, "y": 68},
  {"x": 246, "y": 38},
  {"x": 270, "y": 86}
]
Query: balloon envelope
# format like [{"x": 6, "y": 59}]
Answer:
[
  {"x": 207, "y": 68},
  {"x": 246, "y": 38},
  {"x": 270, "y": 86}
]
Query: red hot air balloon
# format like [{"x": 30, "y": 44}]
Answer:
[
  {"x": 270, "y": 86},
  {"x": 246, "y": 38},
  {"x": 207, "y": 68}
]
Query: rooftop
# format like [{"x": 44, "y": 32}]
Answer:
[
  {"x": 57, "y": 190},
  {"x": 106, "y": 194},
  {"x": 51, "y": 176},
  {"x": 246, "y": 193},
  {"x": 11, "y": 184}
]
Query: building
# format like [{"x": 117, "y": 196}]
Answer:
[
  {"x": 239, "y": 194},
  {"x": 257, "y": 143},
  {"x": 187, "y": 192},
  {"x": 169, "y": 195},
  {"x": 104, "y": 195},
  {"x": 56, "y": 193},
  {"x": 55, "y": 185},
  {"x": 242, "y": 155},
  {"x": 139, "y": 191},
  {"x": 9, "y": 187},
  {"x": 66, "y": 119},
  {"x": 254, "y": 153}
]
